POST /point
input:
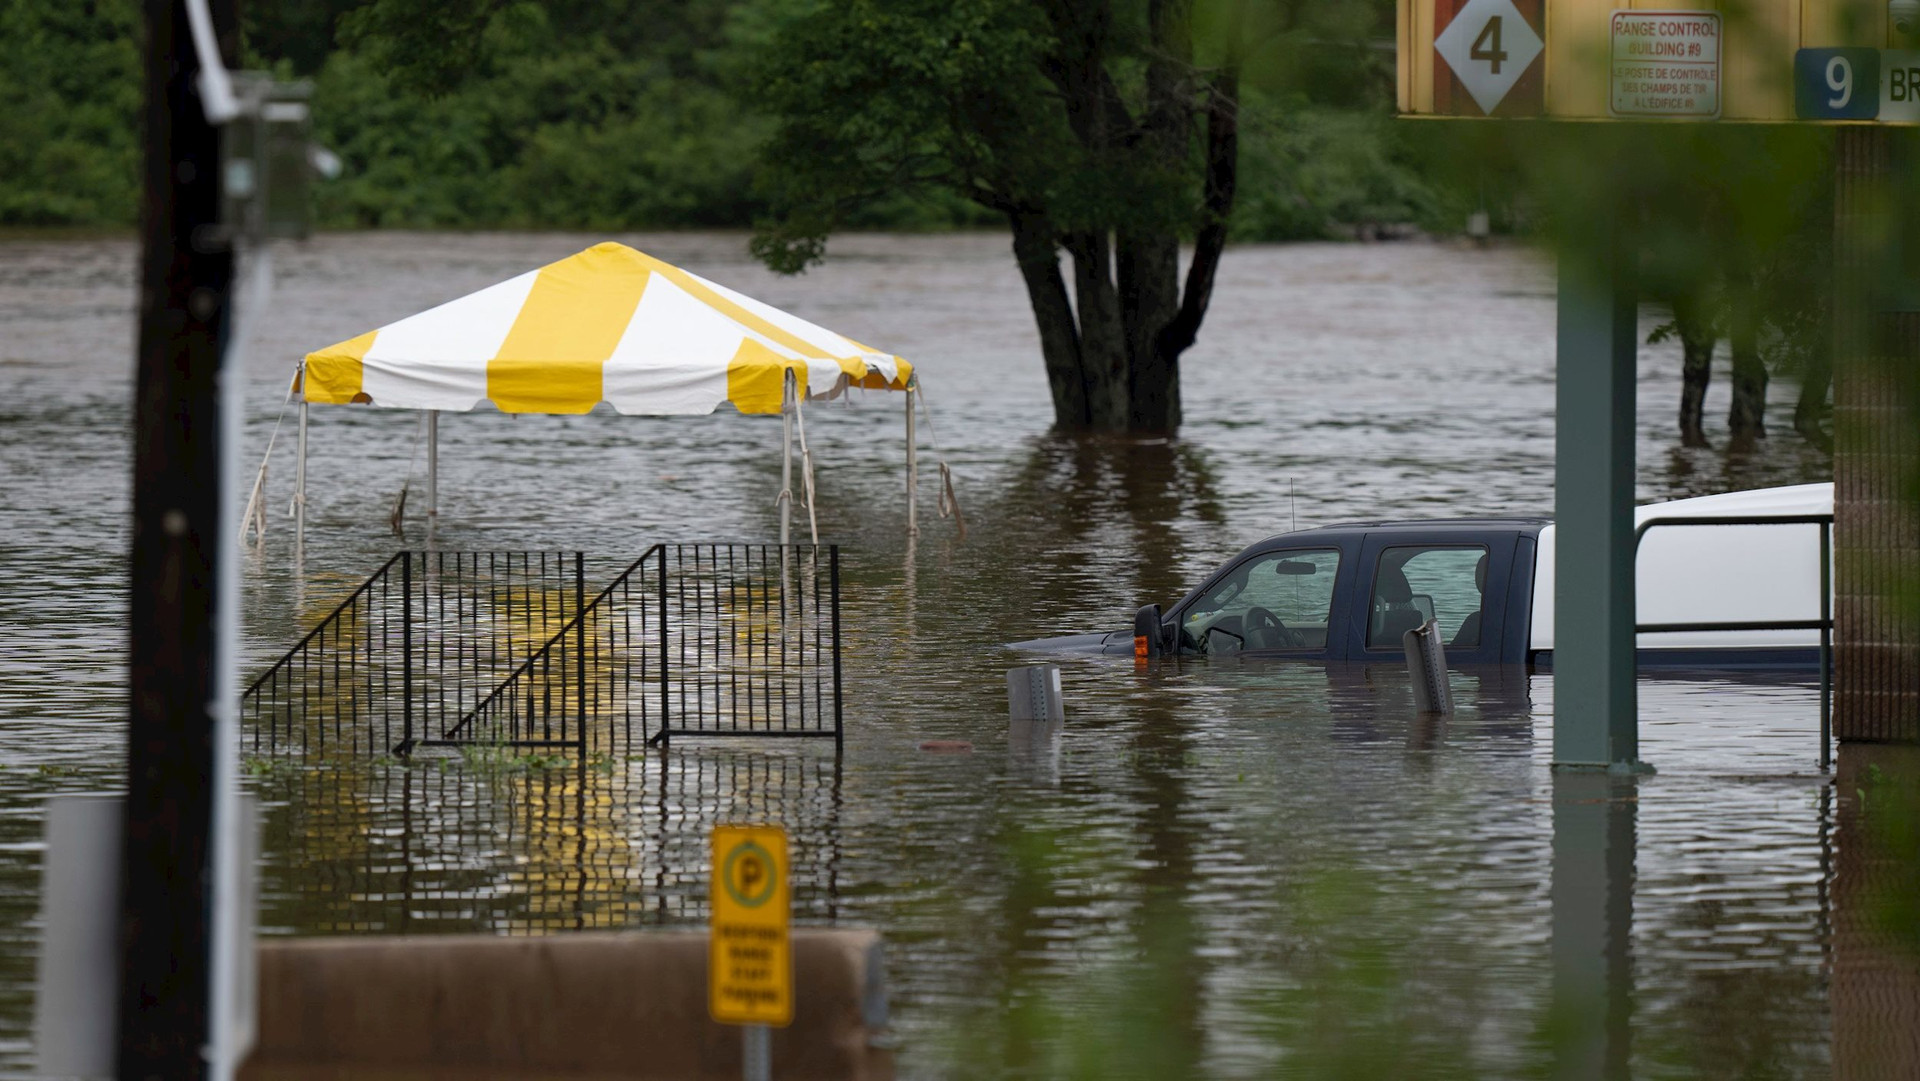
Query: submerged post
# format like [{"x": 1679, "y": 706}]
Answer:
[
  {"x": 913, "y": 464},
  {"x": 1427, "y": 666},
  {"x": 1033, "y": 694},
  {"x": 786, "y": 461},
  {"x": 300, "y": 489},
  {"x": 433, "y": 470},
  {"x": 1595, "y": 713}
]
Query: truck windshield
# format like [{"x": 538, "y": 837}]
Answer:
[{"x": 1275, "y": 600}]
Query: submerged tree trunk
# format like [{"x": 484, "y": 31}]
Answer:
[
  {"x": 1696, "y": 368},
  {"x": 1106, "y": 364},
  {"x": 1810, "y": 412},
  {"x": 1034, "y": 249},
  {"x": 1747, "y": 418}
]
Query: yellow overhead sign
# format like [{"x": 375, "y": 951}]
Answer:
[
  {"x": 1759, "y": 60},
  {"x": 749, "y": 953}
]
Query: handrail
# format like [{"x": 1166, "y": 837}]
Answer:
[
  {"x": 404, "y": 662},
  {"x": 1824, "y": 624},
  {"x": 558, "y": 636},
  {"x": 330, "y": 617}
]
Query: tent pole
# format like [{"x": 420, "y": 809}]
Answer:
[
  {"x": 433, "y": 470},
  {"x": 913, "y": 466},
  {"x": 786, "y": 460},
  {"x": 300, "y": 495}
]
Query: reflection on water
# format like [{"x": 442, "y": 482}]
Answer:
[
  {"x": 480, "y": 843},
  {"x": 1214, "y": 868}
]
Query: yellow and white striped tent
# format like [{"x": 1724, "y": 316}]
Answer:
[{"x": 610, "y": 324}]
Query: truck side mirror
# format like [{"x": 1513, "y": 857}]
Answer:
[{"x": 1147, "y": 642}]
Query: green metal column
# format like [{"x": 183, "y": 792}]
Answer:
[
  {"x": 1594, "y": 858},
  {"x": 1595, "y": 721}
]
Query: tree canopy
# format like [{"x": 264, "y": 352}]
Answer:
[
  {"x": 1108, "y": 130},
  {"x": 589, "y": 115}
]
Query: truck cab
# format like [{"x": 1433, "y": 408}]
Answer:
[
  {"x": 1723, "y": 582},
  {"x": 1348, "y": 593}
]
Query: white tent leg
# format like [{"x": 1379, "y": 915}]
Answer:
[
  {"x": 433, "y": 472},
  {"x": 300, "y": 497},
  {"x": 786, "y": 461},
  {"x": 913, "y": 469}
]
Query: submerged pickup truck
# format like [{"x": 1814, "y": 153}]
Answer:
[{"x": 1348, "y": 592}]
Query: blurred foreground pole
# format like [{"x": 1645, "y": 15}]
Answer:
[
  {"x": 1595, "y": 721},
  {"x": 178, "y": 690},
  {"x": 1876, "y": 462}
]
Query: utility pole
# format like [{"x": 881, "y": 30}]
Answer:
[{"x": 178, "y": 594}]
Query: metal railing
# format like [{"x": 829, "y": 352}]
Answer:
[
  {"x": 411, "y": 650},
  {"x": 504, "y": 649},
  {"x": 586, "y": 686},
  {"x": 753, "y": 642},
  {"x": 1824, "y": 624}
]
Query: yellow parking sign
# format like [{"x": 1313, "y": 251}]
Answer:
[{"x": 749, "y": 957}]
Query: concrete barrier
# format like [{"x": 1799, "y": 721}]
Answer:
[{"x": 574, "y": 1006}]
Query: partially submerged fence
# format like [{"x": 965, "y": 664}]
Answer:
[
  {"x": 754, "y": 642},
  {"x": 413, "y": 649},
  {"x": 491, "y": 844},
  {"x": 506, "y": 649}
]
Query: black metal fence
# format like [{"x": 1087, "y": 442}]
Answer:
[
  {"x": 505, "y": 649},
  {"x": 597, "y": 685},
  {"x": 412, "y": 650},
  {"x": 753, "y": 642}
]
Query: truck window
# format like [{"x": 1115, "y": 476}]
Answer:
[
  {"x": 1413, "y": 585},
  {"x": 1276, "y": 600}
]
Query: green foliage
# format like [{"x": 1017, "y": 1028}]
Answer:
[
  {"x": 975, "y": 100},
  {"x": 300, "y": 33},
  {"x": 69, "y": 112},
  {"x": 1307, "y": 170},
  {"x": 942, "y": 96},
  {"x": 604, "y": 115},
  {"x": 579, "y": 139}
]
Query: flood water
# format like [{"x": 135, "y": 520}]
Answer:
[{"x": 1225, "y": 869}]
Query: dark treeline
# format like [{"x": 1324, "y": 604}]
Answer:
[
  {"x": 595, "y": 115},
  {"x": 602, "y": 115}
]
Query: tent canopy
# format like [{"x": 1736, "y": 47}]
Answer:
[{"x": 610, "y": 324}]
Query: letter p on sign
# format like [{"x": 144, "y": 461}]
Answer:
[{"x": 749, "y": 955}]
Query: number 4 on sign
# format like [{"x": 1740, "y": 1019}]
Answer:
[{"x": 1488, "y": 45}]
